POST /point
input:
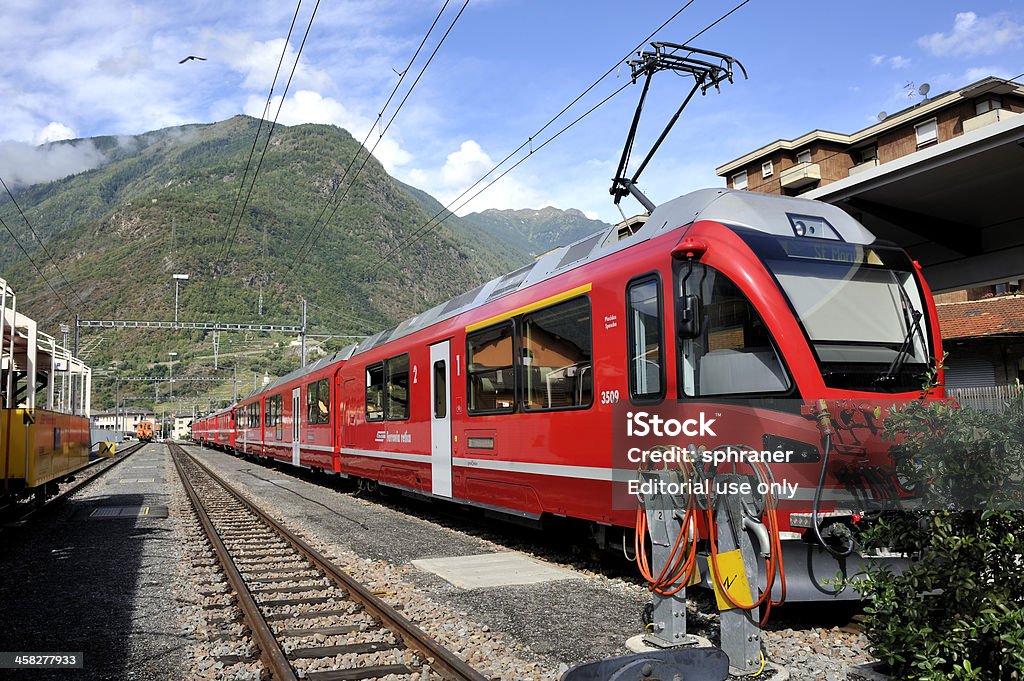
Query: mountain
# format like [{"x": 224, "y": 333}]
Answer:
[
  {"x": 535, "y": 232},
  {"x": 169, "y": 202}
]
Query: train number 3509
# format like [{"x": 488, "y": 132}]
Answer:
[{"x": 609, "y": 396}]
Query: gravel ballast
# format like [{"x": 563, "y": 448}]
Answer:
[{"x": 511, "y": 632}]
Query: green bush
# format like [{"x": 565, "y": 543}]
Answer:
[{"x": 957, "y": 610}]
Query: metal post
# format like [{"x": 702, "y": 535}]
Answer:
[
  {"x": 234, "y": 380},
  {"x": 65, "y": 330},
  {"x": 3, "y": 321},
  {"x": 177, "y": 278},
  {"x": 117, "y": 406},
  {"x": 216, "y": 345},
  {"x": 303, "y": 332},
  {"x": 741, "y": 632},
  {"x": 74, "y": 354},
  {"x": 664, "y": 522}
]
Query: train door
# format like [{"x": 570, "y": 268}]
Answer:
[
  {"x": 440, "y": 420},
  {"x": 295, "y": 426}
]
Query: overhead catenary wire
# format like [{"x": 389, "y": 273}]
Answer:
[
  {"x": 432, "y": 223},
  {"x": 42, "y": 246},
  {"x": 400, "y": 105},
  {"x": 266, "y": 109},
  {"x": 36, "y": 267},
  {"x": 380, "y": 115},
  {"x": 284, "y": 95},
  {"x": 422, "y": 231}
]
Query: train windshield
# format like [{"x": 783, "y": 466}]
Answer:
[{"x": 860, "y": 307}]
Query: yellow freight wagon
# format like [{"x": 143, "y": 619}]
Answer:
[{"x": 40, "y": 446}]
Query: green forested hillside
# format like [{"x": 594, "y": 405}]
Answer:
[
  {"x": 161, "y": 204},
  {"x": 535, "y": 232}
]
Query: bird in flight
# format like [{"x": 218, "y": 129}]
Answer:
[{"x": 191, "y": 57}]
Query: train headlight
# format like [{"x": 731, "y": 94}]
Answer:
[{"x": 813, "y": 226}]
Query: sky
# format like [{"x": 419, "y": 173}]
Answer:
[{"x": 73, "y": 70}]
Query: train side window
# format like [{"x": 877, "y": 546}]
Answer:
[
  {"x": 490, "y": 374},
  {"x": 733, "y": 353},
  {"x": 397, "y": 388},
  {"x": 440, "y": 389},
  {"x": 272, "y": 413},
  {"x": 645, "y": 352},
  {"x": 318, "y": 401},
  {"x": 557, "y": 365},
  {"x": 375, "y": 392}
]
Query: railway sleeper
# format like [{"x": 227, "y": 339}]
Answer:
[
  {"x": 323, "y": 631},
  {"x": 310, "y": 614},
  {"x": 359, "y": 673},
  {"x": 345, "y": 649}
]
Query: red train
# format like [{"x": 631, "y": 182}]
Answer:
[{"x": 782, "y": 319}]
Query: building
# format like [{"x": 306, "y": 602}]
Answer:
[
  {"x": 938, "y": 178},
  {"x": 933, "y": 178},
  {"x": 181, "y": 427},
  {"x": 819, "y": 158},
  {"x": 123, "y": 420}
]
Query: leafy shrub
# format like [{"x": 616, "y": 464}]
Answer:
[{"x": 957, "y": 610}]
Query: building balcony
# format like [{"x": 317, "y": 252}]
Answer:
[
  {"x": 800, "y": 175},
  {"x": 866, "y": 165},
  {"x": 987, "y": 118}
]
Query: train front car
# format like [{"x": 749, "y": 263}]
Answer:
[{"x": 795, "y": 332}]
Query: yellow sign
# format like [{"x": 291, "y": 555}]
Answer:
[{"x": 734, "y": 580}]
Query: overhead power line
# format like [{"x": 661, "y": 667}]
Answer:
[
  {"x": 284, "y": 96},
  {"x": 266, "y": 109},
  {"x": 380, "y": 115},
  {"x": 36, "y": 267},
  {"x": 42, "y": 246},
  {"x": 437, "y": 219},
  {"x": 369, "y": 153}
]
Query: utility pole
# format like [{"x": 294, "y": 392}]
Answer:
[
  {"x": 234, "y": 380},
  {"x": 302, "y": 333},
  {"x": 65, "y": 330},
  {"x": 178, "y": 278},
  {"x": 74, "y": 409},
  {"x": 216, "y": 345}
]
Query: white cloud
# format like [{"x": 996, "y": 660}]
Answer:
[
  {"x": 453, "y": 182},
  {"x": 258, "y": 62},
  {"x": 25, "y": 164},
  {"x": 973, "y": 35},
  {"x": 54, "y": 132},
  {"x": 894, "y": 62}
]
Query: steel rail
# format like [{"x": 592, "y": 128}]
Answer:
[
  {"x": 270, "y": 650},
  {"x": 442, "y": 660}
]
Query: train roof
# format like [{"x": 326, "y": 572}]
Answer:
[
  {"x": 762, "y": 212},
  {"x": 339, "y": 356}
]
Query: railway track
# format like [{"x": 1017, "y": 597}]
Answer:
[
  {"x": 289, "y": 592},
  {"x": 13, "y": 517}
]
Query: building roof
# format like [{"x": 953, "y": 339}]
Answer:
[
  {"x": 990, "y": 85},
  {"x": 999, "y": 316}
]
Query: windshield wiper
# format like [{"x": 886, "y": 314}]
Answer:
[{"x": 903, "y": 354}]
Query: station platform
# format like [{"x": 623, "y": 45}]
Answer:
[{"x": 95, "y": 576}]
